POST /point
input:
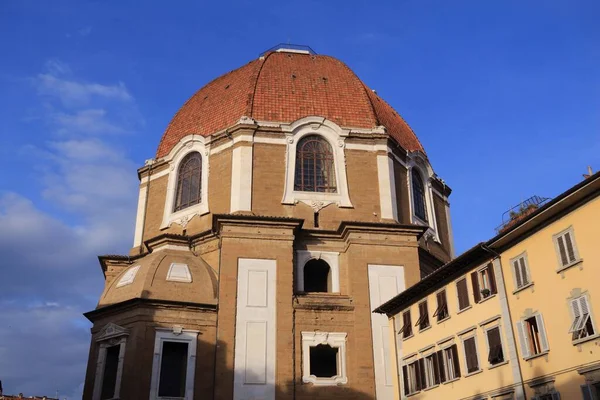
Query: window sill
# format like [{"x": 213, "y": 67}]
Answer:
[
  {"x": 424, "y": 329},
  {"x": 530, "y": 284},
  {"x": 443, "y": 320},
  {"x": 565, "y": 267},
  {"x": 413, "y": 393},
  {"x": 408, "y": 337},
  {"x": 491, "y": 296},
  {"x": 498, "y": 365},
  {"x": 543, "y": 353},
  {"x": 451, "y": 380},
  {"x": 464, "y": 309},
  {"x": 474, "y": 373},
  {"x": 431, "y": 387},
  {"x": 323, "y": 301},
  {"x": 585, "y": 339}
]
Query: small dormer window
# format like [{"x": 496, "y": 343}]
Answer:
[
  {"x": 189, "y": 182},
  {"x": 315, "y": 167},
  {"x": 418, "y": 189},
  {"x": 128, "y": 277}
]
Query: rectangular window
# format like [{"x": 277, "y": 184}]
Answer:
[
  {"x": 485, "y": 283},
  {"x": 591, "y": 391},
  {"x": 441, "y": 312},
  {"x": 173, "y": 366},
  {"x": 582, "y": 325},
  {"x": 463, "y": 294},
  {"x": 495, "y": 354},
  {"x": 565, "y": 248},
  {"x": 412, "y": 377},
  {"x": 440, "y": 367},
  {"x": 520, "y": 271},
  {"x": 109, "y": 377},
  {"x": 532, "y": 336},
  {"x": 423, "y": 321},
  {"x": 432, "y": 375},
  {"x": 406, "y": 330},
  {"x": 451, "y": 362},
  {"x": 472, "y": 361}
]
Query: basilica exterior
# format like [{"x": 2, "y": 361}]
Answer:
[{"x": 285, "y": 202}]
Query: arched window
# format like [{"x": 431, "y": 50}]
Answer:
[
  {"x": 189, "y": 182},
  {"x": 418, "y": 188},
  {"x": 315, "y": 170},
  {"x": 317, "y": 276}
]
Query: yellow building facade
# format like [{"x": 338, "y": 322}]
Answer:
[{"x": 516, "y": 317}]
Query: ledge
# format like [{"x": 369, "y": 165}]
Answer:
[
  {"x": 498, "y": 365},
  {"x": 565, "y": 267},
  {"x": 543, "y": 353},
  {"x": 323, "y": 301},
  {"x": 483, "y": 300},
  {"x": 452, "y": 380},
  {"x": 444, "y": 320},
  {"x": 530, "y": 284},
  {"x": 586, "y": 339},
  {"x": 474, "y": 373},
  {"x": 465, "y": 309}
]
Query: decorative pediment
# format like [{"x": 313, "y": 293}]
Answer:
[{"x": 110, "y": 331}]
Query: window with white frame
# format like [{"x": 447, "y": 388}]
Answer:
[
  {"x": 532, "y": 335},
  {"x": 463, "y": 294},
  {"x": 317, "y": 271},
  {"x": 419, "y": 195},
  {"x": 423, "y": 321},
  {"x": 324, "y": 358},
  {"x": 174, "y": 364},
  {"x": 470, "y": 352},
  {"x": 187, "y": 187},
  {"x": 441, "y": 312},
  {"x": 451, "y": 362},
  {"x": 591, "y": 391},
  {"x": 412, "y": 377},
  {"x": 566, "y": 249},
  {"x": 582, "y": 325},
  {"x": 484, "y": 283},
  {"x": 494, "y": 342},
  {"x": 109, "y": 365},
  {"x": 315, "y": 164},
  {"x": 520, "y": 270}
]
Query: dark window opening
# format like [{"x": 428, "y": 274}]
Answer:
[
  {"x": 423, "y": 321},
  {"x": 419, "y": 196},
  {"x": 189, "y": 182},
  {"x": 173, "y": 368},
  {"x": 471, "y": 355},
  {"x": 316, "y": 220},
  {"x": 109, "y": 378},
  {"x": 323, "y": 361},
  {"x": 495, "y": 355},
  {"x": 315, "y": 170},
  {"x": 317, "y": 276},
  {"x": 406, "y": 330},
  {"x": 442, "y": 306},
  {"x": 533, "y": 333}
]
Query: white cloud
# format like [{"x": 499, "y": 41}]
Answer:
[
  {"x": 90, "y": 121},
  {"x": 73, "y": 93},
  {"x": 49, "y": 270},
  {"x": 85, "y": 31}
]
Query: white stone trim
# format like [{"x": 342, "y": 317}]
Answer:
[
  {"x": 419, "y": 164},
  {"x": 179, "y": 272},
  {"x": 154, "y": 176},
  {"x": 387, "y": 187},
  {"x": 140, "y": 216},
  {"x": 241, "y": 178},
  {"x": 333, "y": 339},
  {"x": 175, "y": 334},
  {"x": 330, "y": 257},
  {"x": 367, "y": 147},
  {"x": 129, "y": 276},
  {"x": 110, "y": 335},
  {"x": 335, "y": 136},
  {"x": 189, "y": 144}
]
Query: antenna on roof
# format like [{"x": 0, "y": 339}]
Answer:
[{"x": 589, "y": 173}]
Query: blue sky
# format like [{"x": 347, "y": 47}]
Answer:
[{"x": 504, "y": 95}]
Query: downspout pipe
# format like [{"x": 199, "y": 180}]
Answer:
[{"x": 510, "y": 319}]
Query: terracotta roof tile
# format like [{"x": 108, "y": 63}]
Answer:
[{"x": 284, "y": 87}]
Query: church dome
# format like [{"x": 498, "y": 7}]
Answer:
[
  {"x": 284, "y": 86},
  {"x": 170, "y": 275}
]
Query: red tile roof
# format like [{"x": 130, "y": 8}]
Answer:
[{"x": 284, "y": 87}]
